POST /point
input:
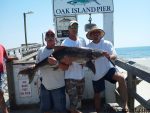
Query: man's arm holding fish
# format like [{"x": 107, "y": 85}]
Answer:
[
  {"x": 62, "y": 66},
  {"x": 52, "y": 63},
  {"x": 109, "y": 56}
]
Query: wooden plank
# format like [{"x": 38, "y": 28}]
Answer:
[
  {"x": 142, "y": 101},
  {"x": 21, "y": 49},
  {"x": 131, "y": 85},
  {"x": 113, "y": 108},
  {"x": 134, "y": 68},
  {"x": 29, "y": 56},
  {"x": 11, "y": 85},
  {"x": 16, "y": 62}
]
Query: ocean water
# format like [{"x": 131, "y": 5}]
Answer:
[{"x": 134, "y": 52}]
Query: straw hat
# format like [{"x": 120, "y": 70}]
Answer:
[{"x": 95, "y": 28}]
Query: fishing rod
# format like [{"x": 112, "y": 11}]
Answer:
[{"x": 110, "y": 61}]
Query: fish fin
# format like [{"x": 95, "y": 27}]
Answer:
[
  {"x": 91, "y": 66},
  {"x": 31, "y": 77},
  {"x": 56, "y": 48},
  {"x": 25, "y": 71},
  {"x": 30, "y": 72}
]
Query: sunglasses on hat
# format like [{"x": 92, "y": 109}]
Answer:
[
  {"x": 74, "y": 27},
  {"x": 50, "y": 39}
]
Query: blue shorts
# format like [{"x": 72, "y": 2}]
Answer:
[
  {"x": 99, "y": 85},
  {"x": 52, "y": 100},
  {"x": 2, "y": 80}
]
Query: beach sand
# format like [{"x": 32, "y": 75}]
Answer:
[{"x": 143, "y": 61}]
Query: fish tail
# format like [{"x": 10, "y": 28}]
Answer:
[
  {"x": 30, "y": 72},
  {"x": 31, "y": 77},
  {"x": 91, "y": 66}
]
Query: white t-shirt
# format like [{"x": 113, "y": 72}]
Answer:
[
  {"x": 102, "y": 64},
  {"x": 51, "y": 79},
  {"x": 75, "y": 71}
]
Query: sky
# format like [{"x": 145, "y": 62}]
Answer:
[{"x": 131, "y": 22}]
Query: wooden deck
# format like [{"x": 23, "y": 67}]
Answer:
[{"x": 86, "y": 108}]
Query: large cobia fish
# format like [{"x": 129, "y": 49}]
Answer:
[{"x": 75, "y": 54}]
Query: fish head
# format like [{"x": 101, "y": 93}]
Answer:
[{"x": 58, "y": 52}]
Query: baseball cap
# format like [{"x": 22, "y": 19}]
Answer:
[
  {"x": 72, "y": 22},
  {"x": 50, "y": 34}
]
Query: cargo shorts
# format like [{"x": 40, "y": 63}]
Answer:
[{"x": 75, "y": 89}]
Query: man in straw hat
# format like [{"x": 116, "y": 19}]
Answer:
[{"x": 105, "y": 70}]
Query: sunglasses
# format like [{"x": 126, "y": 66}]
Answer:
[
  {"x": 50, "y": 35},
  {"x": 50, "y": 39},
  {"x": 94, "y": 32},
  {"x": 74, "y": 27}
]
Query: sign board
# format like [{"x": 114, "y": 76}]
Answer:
[
  {"x": 73, "y": 7},
  {"x": 62, "y": 24},
  {"x": 24, "y": 87}
]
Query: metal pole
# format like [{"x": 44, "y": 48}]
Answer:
[{"x": 25, "y": 31}]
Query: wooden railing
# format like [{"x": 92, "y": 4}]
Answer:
[
  {"x": 23, "y": 50},
  {"x": 135, "y": 71}
]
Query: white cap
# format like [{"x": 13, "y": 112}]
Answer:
[{"x": 72, "y": 22}]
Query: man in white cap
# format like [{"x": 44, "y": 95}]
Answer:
[
  {"x": 74, "y": 77},
  {"x": 105, "y": 70},
  {"x": 52, "y": 88}
]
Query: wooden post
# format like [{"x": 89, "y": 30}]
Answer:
[
  {"x": 11, "y": 86},
  {"x": 131, "y": 85}
]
